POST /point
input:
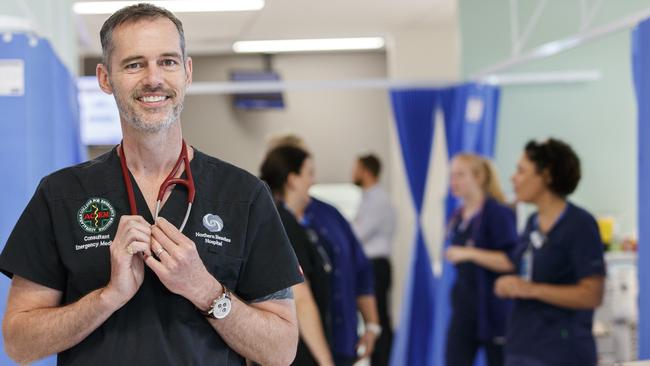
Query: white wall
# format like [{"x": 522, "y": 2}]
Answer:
[
  {"x": 337, "y": 125},
  {"x": 429, "y": 53}
]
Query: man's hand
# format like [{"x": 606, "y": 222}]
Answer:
[
  {"x": 366, "y": 345},
  {"x": 513, "y": 287},
  {"x": 457, "y": 254},
  {"x": 127, "y": 267},
  {"x": 179, "y": 266}
]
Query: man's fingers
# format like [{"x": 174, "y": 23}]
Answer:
[
  {"x": 134, "y": 234},
  {"x": 165, "y": 241},
  {"x": 142, "y": 228},
  {"x": 137, "y": 223},
  {"x": 138, "y": 247},
  {"x": 133, "y": 219},
  {"x": 133, "y": 228},
  {"x": 171, "y": 231},
  {"x": 160, "y": 252},
  {"x": 138, "y": 218}
]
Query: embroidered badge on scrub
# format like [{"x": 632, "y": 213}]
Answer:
[{"x": 96, "y": 215}]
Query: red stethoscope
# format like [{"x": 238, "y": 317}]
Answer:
[{"x": 170, "y": 180}]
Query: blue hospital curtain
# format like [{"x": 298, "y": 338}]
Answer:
[
  {"x": 641, "y": 69},
  {"x": 414, "y": 114},
  {"x": 470, "y": 115},
  {"x": 39, "y": 133}
]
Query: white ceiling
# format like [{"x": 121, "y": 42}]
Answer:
[{"x": 287, "y": 19}]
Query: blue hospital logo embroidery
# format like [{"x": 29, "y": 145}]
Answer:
[{"x": 213, "y": 223}]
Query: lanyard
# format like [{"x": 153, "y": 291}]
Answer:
[
  {"x": 170, "y": 180},
  {"x": 314, "y": 239},
  {"x": 536, "y": 240},
  {"x": 473, "y": 222}
]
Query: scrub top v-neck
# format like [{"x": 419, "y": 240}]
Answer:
[{"x": 172, "y": 209}]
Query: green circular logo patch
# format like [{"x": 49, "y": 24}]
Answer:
[{"x": 96, "y": 215}]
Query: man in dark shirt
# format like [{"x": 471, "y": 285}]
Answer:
[{"x": 98, "y": 280}]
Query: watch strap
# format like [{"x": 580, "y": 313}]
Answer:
[{"x": 225, "y": 294}]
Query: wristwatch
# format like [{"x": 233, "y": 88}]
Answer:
[
  {"x": 374, "y": 328},
  {"x": 221, "y": 306}
]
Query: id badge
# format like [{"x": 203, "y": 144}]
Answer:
[{"x": 526, "y": 270}]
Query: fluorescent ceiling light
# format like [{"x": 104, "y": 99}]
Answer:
[
  {"x": 187, "y": 6},
  {"x": 556, "y": 47},
  {"x": 306, "y": 45}
]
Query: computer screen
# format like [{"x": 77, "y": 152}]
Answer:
[{"x": 248, "y": 101}]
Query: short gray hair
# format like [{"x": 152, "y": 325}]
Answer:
[{"x": 130, "y": 14}]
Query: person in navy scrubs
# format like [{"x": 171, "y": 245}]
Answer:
[
  {"x": 289, "y": 172},
  {"x": 560, "y": 261},
  {"x": 482, "y": 232},
  {"x": 352, "y": 281}
]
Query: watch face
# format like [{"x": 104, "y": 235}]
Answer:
[{"x": 222, "y": 308}]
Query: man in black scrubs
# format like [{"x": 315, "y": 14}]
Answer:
[{"x": 97, "y": 281}]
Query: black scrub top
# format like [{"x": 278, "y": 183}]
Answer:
[
  {"x": 549, "y": 334},
  {"x": 317, "y": 269},
  {"x": 62, "y": 241}
]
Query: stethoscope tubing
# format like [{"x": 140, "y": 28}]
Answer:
[{"x": 170, "y": 180}]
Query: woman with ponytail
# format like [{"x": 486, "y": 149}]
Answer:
[{"x": 481, "y": 235}]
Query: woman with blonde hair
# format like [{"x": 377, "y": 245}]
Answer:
[{"x": 481, "y": 235}]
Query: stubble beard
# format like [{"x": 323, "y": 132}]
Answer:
[{"x": 139, "y": 120}]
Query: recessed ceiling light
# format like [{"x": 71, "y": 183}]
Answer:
[
  {"x": 187, "y": 6},
  {"x": 309, "y": 45}
]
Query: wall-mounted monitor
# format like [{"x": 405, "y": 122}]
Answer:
[{"x": 256, "y": 101}]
